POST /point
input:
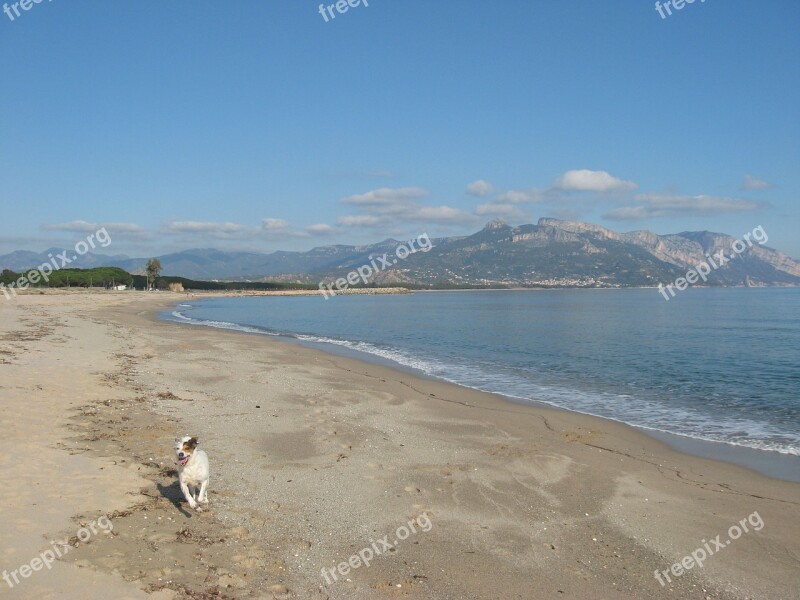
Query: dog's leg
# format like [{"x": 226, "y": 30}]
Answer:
[
  {"x": 186, "y": 494},
  {"x": 203, "y": 497}
]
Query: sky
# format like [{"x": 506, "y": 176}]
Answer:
[{"x": 266, "y": 125}]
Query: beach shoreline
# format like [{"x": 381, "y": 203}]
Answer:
[
  {"x": 314, "y": 454},
  {"x": 772, "y": 463}
]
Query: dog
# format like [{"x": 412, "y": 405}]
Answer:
[{"x": 193, "y": 471}]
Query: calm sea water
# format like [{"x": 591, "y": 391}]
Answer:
[{"x": 713, "y": 364}]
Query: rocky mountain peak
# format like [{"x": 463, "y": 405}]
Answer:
[{"x": 495, "y": 224}]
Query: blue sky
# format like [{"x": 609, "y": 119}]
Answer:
[{"x": 258, "y": 125}]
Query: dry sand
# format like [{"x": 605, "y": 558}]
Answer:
[{"x": 315, "y": 456}]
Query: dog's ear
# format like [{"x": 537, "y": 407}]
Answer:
[{"x": 193, "y": 442}]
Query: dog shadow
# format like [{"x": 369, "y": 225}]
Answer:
[{"x": 173, "y": 493}]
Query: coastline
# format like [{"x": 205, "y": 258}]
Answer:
[
  {"x": 772, "y": 463},
  {"x": 314, "y": 454}
]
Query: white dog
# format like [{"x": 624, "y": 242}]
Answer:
[{"x": 192, "y": 470}]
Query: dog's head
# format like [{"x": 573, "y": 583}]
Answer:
[{"x": 184, "y": 448}]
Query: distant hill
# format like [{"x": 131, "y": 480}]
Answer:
[
  {"x": 23, "y": 259},
  {"x": 567, "y": 253},
  {"x": 552, "y": 253},
  {"x": 208, "y": 263}
]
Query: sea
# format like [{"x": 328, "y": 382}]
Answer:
[{"x": 717, "y": 367}]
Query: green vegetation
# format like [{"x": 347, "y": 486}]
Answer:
[
  {"x": 106, "y": 277},
  {"x": 162, "y": 283},
  {"x": 98, "y": 277}
]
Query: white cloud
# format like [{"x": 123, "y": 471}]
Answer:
[
  {"x": 557, "y": 195},
  {"x": 505, "y": 204},
  {"x": 439, "y": 214},
  {"x": 390, "y": 208},
  {"x": 86, "y": 227},
  {"x": 271, "y": 229},
  {"x": 320, "y": 229},
  {"x": 208, "y": 227},
  {"x": 386, "y": 196},
  {"x": 675, "y": 205},
  {"x": 274, "y": 224},
  {"x": 72, "y": 226},
  {"x": 359, "y": 221},
  {"x": 118, "y": 231},
  {"x": 578, "y": 180},
  {"x": 500, "y": 209},
  {"x": 753, "y": 183},
  {"x": 585, "y": 180},
  {"x": 131, "y": 228},
  {"x": 521, "y": 196},
  {"x": 479, "y": 188}
]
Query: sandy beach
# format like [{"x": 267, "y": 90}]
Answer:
[{"x": 317, "y": 458}]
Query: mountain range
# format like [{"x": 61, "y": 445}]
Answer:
[{"x": 551, "y": 253}]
